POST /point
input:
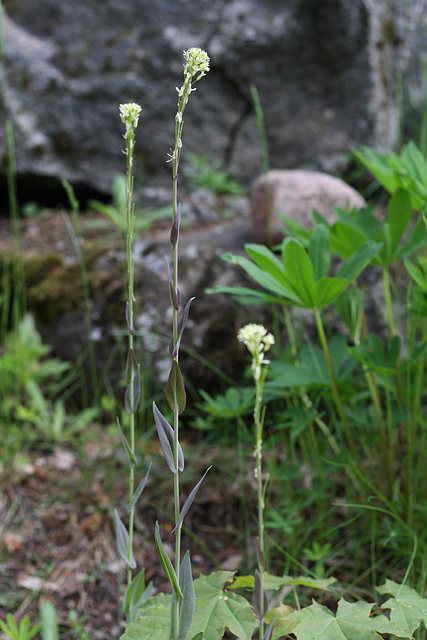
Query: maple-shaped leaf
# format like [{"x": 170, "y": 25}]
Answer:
[
  {"x": 215, "y": 610},
  {"x": 407, "y": 608},
  {"x": 353, "y": 621},
  {"x": 284, "y": 624}
]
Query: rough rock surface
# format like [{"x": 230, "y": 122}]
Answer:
[
  {"x": 325, "y": 72},
  {"x": 295, "y": 194}
]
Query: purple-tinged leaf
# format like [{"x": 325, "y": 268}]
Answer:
[
  {"x": 131, "y": 328},
  {"x": 122, "y": 537},
  {"x": 175, "y": 295},
  {"x": 175, "y": 390},
  {"x": 131, "y": 365},
  {"x": 181, "y": 326},
  {"x": 166, "y": 563},
  {"x": 257, "y": 597},
  {"x": 260, "y": 554},
  {"x": 138, "y": 492},
  {"x": 166, "y": 433},
  {"x": 175, "y": 227},
  {"x": 269, "y": 631},
  {"x": 126, "y": 445},
  {"x": 133, "y": 393},
  {"x": 188, "y": 601},
  {"x": 190, "y": 500}
]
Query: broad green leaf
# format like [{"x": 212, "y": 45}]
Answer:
[
  {"x": 166, "y": 563},
  {"x": 353, "y": 621},
  {"x": 407, "y": 608},
  {"x": 345, "y": 239},
  {"x": 299, "y": 273},
  {"x": 216, "y": 610},
  {"x": 379, "y": 167},
  {"x": 416, "y": 239},
  {"x": 275, "y": 583},
  {"x": 49, "y": 629},
  {"x": 248, "y": 296},
  {"x": 236, "y": 401},
  {"x": 319, "y": 252},
  {"x": 356, "y": 263},
  {"x": 175, "y": 390},
  {"x": 327, "y": 290},
  {"x": 284, "y": 624},
  {"x": 266, "y": 260},
  {"x": 134, "y": 591},
  {"x": 262, "y": 278},
  {"x": 399, "y": 213}
]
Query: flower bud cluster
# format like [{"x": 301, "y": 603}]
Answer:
[
  {"x": 258, "y": 341},
  {"x": 129, "y": 114}
]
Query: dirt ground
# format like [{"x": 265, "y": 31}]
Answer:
[{"x": 57, "y": 539}]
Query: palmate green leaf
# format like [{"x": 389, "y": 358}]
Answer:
[
  {"x": 319, "y": 252},
  {"x": 265, "y": 280},
  {"x": 266, "y": 260},
  {"x": 299, "y": 273},
  {"x": 327, "y": 290},
  {"x": 353, "y": 621},
  {"x": 245, "y": 295},
  {"x": 358, "y": 261},
  {"x": 399, "y": 214},
  {"x": 216, "y": 609},
  {"x": 407, "y": 608},
  {"x": 274, "y": 583}
]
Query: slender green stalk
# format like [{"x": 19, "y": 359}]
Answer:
[
  {"x": 334, "y": 386},
  {"x": 197, "y": 65},
  {"x": 130, "y": 115},
  {"x": 258, "y": 341}
]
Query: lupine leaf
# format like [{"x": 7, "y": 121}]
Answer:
[
  {"x": 122, "y": 537},
  {"x": 190, "y": 499},
  {"x": 319, "y": 251},
  {"x": 166, "y": 563},
  {"x": 175, "y": 390}
]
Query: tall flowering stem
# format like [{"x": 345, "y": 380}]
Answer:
[
  {"x": 258, "y": 341},
  {"x": 195, "y": 67},
  {"x": 129, "y": 114}
]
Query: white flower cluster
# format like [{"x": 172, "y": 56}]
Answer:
[
  {"x": 258, "y": 341},
  {"x": 129, "y": 114},
  {"x": 197, "y": 63}
]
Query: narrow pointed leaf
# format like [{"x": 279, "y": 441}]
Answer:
[
  {"x": 181, "y": 326},
  {"x": 126, "y": 445},
  {"x": 190, "y": 500},
  {"x": 269, "y": 631},
  {"x": 165, "y": 433},
  {"x": 175, "y": 295},
  {"x": 174, "y": 236},
  {"x": 134, "y": 591},
  {"x": 166, "y": 563},
  {"x": 188, "y": 600},
  {"x": 327, "y": 290},
  {"x": 133, "y": 393},
  {"x": 257, "y": 596},
  {"x": 266, "y": 260},
  {"x": 139, "y": 490},
  {"x": 122, "y": 537},
  {"x": 130, "y": 327},
  {"x": 175, "y": 390},
  {"x": 131, "y": 365}
]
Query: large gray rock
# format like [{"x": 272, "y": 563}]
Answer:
[{"x": 325, "y": 72}]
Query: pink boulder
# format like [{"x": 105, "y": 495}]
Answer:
[{"x": 295, "y": 193}]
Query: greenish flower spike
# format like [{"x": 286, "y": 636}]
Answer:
[
  {"x": 258, "y": 341},
  {"x": 196, "y": 67},
  {"x": 129, "y": 114}
]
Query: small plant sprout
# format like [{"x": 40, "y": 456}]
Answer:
[
  {"x": 129, "y": 114},
  {"x": 258, "y": 341}
]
